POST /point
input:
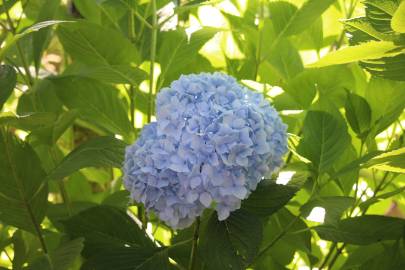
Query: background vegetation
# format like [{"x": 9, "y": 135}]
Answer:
[{"x": 77, "y": 82}]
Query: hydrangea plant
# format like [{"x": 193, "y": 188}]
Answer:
[{"x": 213, "y": 142}]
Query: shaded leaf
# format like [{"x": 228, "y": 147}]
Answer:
[
  {"x": 324, "y": 139},
  {"x": 23, "y": 192},
  {"x": 268, "y": 198},
  {"x": 129, "y": 258},
  {"x": 63, "y": 257},
  {"x": 100, "y": 151},
  {"x": 363, "y": 230},
  {"x": 97, "y": 103},
  {"x": 8, "y": 80},
  {"x": 231, "y": 243},
  {"x": 98, "y": 226}
]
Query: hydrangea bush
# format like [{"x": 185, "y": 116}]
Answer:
[{"x": 213, "y": 142}]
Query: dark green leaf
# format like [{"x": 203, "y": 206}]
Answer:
[
  {"x": 268, "y": 198},
  {"x": 100, "y": 151},
  {"x": 63, "y": 257},
  {"x": 363, "y": 230},
  {"x": 97, "y": 103},
  {"x": 23, "y": 192},
  {"x": 231, "y": 243},
  {"x": 50, "y": 133},
  {"x": 176, "y": 53},
  {"x": 324, "y": 139},
  {"x": 358, "y": 114},
  {"x": 91, "y": 44},
  {"x": 105, "y": 228},
  {"x": 129, "y": 258},
  {"x": 28, "y": 122},
  {"x": 41, "y": 38},
  {"x": 8, "y": 80}
]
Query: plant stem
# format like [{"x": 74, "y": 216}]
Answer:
[
  {"x": 19, "y": 50},
  {"x": 131, "y": 35},
  {"x": 193, "y": 255},
  {"x": 275, "y": 240},
  {"x": 330, "y": 252},
  {"x": 260, "y": 40},
  {"x": 152, "y": 59}
]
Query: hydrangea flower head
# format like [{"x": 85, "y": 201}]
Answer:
[{"x": 213, "y": 142}]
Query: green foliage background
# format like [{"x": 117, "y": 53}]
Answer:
[{"x": 78, "y": 81}]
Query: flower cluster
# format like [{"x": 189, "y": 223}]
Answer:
[{"x": 213, "y": 142}]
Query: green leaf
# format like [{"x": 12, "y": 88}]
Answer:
[
  {"x": 324, "y": 139},
  {"x": 129, "y": 258},
  {"x": 376, "y": 199},
  {"x": 6, "y": 5},
  {"x": 268, "y": 198},
  {"x": 298, "y": 19},
  {"x": 28, "y": 122},
  {"x": 358, "y": 114},
  {"x": 100, "y": 151},
  {"x": 334, "y": 207},
  {"x": 361, "y": 26},
  {"x": 23, "y": 191},
  {"x": 8, "y": 80},
  {"x": 63, "y": 257},
  {"x": 364, "y": 51},
  {"x": 50, "y": 133},
  {"x": 393, "y": 161},
  {"x": 40, "y": 39},
  {"x": 398, "y": 20},
  {"x": 363, "y": 230},
  {"x": 231, "y": 243},
  {"x": 108, "y": 74},
  {"x": 90, "y": 44},
  {"x": 31, "y": 29},
  {"x": 98, "y": 103},
  {"x": 105, "y": 228},
  {"x": 387, "y": 105},
  {"x": 176, "y": 53},
  {"x": 297, "y": 238}
]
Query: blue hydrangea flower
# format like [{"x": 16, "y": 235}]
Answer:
[{"x": 213, "y": 142}]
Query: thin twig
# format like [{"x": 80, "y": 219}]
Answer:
[{"x": 193, "y": 254}]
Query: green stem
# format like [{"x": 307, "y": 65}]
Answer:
[
  {"x": 275, "y": 240},
  {"x": 61, "y": 184},
  {"x": 260, "y": 40},
  {"x": 131, "y": 34},
  {"x": 152, "y": 59},
  {"x": 328, "y": 255},
  {"x": 19, "y": 50},
  {"x": 193, "y": 255}
]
